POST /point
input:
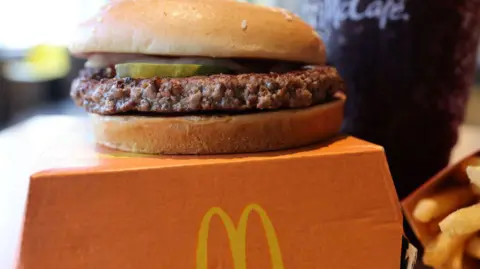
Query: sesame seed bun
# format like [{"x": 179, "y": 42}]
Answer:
[
  {"x": 208, "y": 28},
  {"x": 257, "y": 132}
]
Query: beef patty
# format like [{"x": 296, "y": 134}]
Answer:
[{"x": 100, "y": 92}]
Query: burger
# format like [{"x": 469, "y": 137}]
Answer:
[{"x": 204, "y": 77}]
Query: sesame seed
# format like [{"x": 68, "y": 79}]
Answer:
[
  {"x": 244, "y": 25},
  {"x": 94, "y": 30},
  {"x": 99, "y": 19}
]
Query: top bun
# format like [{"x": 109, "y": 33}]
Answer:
[{"x": 208, "y": 28}]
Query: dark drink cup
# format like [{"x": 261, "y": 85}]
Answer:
[{"x": 408, "y": 66}]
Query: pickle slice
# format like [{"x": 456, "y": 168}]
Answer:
[{"x": 149, "y": 70}]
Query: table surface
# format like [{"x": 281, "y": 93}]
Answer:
[{"x": 21, "y": 143}]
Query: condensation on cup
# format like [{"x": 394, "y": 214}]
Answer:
[{"x": 409, "y": 66}]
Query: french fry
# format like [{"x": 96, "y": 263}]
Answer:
[
  {"x": 442, "y": 203},
  {"x": 473, "y": 173},
  {"x": 456, "y": 261},
  {"x": 460, "y": 174},
  {"x": 438, "y": 252},
  {"x": 473, "y": 247},
  {"x": 463, "y": 221}
]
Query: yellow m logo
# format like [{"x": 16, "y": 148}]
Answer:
[{"x": 237, "y": 237}]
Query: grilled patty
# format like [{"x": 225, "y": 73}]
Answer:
[{"x": 100, "y": 92}]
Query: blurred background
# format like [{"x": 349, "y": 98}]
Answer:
[{"x": 36, "y": 69}]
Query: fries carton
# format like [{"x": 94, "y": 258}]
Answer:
[
  {"x": 433, "y": 211},
  {"x": 450, "y": 177},
  {"x": 331, "y": 205}
]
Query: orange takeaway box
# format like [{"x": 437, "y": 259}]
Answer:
[{"x": 330, "y": 205}]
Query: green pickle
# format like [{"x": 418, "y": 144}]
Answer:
[{"x": 149, "y": 70}]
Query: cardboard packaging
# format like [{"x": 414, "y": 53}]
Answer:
[
  {"x": 331, "y": 205},
  {"x": 454, "y": 175}
]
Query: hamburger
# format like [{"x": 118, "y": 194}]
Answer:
[{"x": 204, "y": 77}]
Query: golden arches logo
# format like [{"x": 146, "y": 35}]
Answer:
[{"x": 237, "y": 237}]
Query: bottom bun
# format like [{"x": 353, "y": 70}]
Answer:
[{"x": 264, "y": 131}]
